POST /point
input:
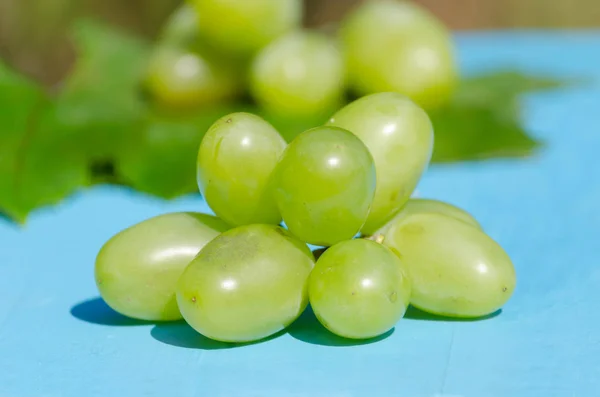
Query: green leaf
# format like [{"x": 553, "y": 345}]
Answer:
[
  {"x": 101, "y": 99},
  {"x": 38, "y": 165},
  {"x": 160, "y": 157},
  {"x": 483, "y": 120}
]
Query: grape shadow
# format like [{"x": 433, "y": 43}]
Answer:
[
  {"x": 412, "y": 313},
  {"x": 96, "y": 311}
]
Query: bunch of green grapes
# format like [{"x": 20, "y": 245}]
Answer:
[
  {"x": 242, "y": 275},
  {"x": 212, "y": 52}
]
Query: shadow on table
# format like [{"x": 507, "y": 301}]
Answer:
[
  {"x": 412, "y": 313},
  {"x": 96, "y": 311},
  {"x": 308, "y": 329},
  {"x": 180, "y": 334}
]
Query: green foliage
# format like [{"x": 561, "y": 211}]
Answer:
[{"x": 52, "y": 146}]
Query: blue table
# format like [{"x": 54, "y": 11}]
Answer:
[{"x": 57, "y": 339}]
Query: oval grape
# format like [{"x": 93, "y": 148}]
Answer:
[
  {"x": 179, "y": 78},
  {"x": 242, "y": 27},
  {"x": 399, "y": 136},
  {"x": 456, "y": 270},
  {"x": 137, "y": 269},
  {"x": 246, "y": 284},
  {"x": 300, "y": 74},
  {"x": 399, "y": 46},
  {"x": 358, "y": 289},
  {"x": 428, "y": 206},
  {"x": 235, "y": 161},
  {"x": 324, "y": 185}
]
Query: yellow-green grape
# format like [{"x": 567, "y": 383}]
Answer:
[
  {"x": 246, "y": 284},
  {"x": 235, "y": 161},
  {"x": 358, "y": 289},
  {"x": 399, "y": 136},
  {"x": 181, "y": 28},
  {"x": 324, "y": 185},
  {"x": 179, "y": 78},
  {"x": 456, "y": 269},
  {"x": 398, "y": 46},
  {"x": 137, "y": 269},
  {"x": 428, "y": 206},
  {"x": 245, "y": 26},
  {"x": 300, "y": 74}
]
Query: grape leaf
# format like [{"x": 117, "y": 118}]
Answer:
[
  {"x": 38, "y": 165},
  {"x": 160, "y": 156},
  {"x": 484, "y": 118},
  {"x": 100, "y": 100}
]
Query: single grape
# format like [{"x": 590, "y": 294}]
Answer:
[
  {"x": 181, "y": 28},
  {"x": 358, "y": 289},
  {"x": 456, "y": 269},
  {"x": 399, "y": 136},
  {"x": 324, "y": 185},
  {"x": 300, "y": 74},
  {"x": 426, "y": 206},
  {"x": 137, "y": 269},
  {"x": 180, "y": 78},
  {"x": 246, "y": 284},
  {"x": 242, "y": 26},
  {"x": 399, "y": 46},
  {"x": 236, "y": 159}
]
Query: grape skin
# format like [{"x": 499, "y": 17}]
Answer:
[
  {"x": 243, "y": 27},
  {"x": 235, "y": 161},
  {"x": 399, "y": 136},
  {"x": 456, "y": 270},
  {"x": 420, "y": 206},
  {"x": 358, "y": 289},
  {"x": 137, "y": 270},
  {"x": 324, "y": 185},
  {"x": 179, "y": 78},
  {"x": 247, "y": 284},
  {"x": 398, "y": 46},
  {"x": 298, "y": 75}
]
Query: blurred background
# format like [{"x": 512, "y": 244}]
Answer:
[{"x": 33, "y": 33}]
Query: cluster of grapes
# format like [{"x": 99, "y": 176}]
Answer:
[
  {"x": 241, "y": 277},
  {"x": 216, "y": 51}
]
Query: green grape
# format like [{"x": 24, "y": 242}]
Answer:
[
  {"x": 324, "y": 185},
  {"x": 399, "y": 136},
  {"x": 398, "y": 46},
  {"x": 245, "y": 26},
  {"x": 298, "y": 74},
  {"x": 179, "y": 78},
  {"x": 246, "y": 284},
  {"x": 181, "y": 29},
  {"x": 455, "y": 269},
  {"x": 426, "y": 206},
  {"x": 137, "y": 269},
  {"x": 358, "y": 289},
  {"x": 236, "y": 159}
]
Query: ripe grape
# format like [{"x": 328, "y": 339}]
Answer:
[
  {"x": 426, "y": 206},
  {"x": 399, "y": 136},
  {"x": 180, "y": 78},
  {"x": 244, "y": 26},
  {"x": 246, "y": 284},
  {"x": 324, "y": 185},
  {"x": 298, "y": 74},
  {"x": 181, "y": 28},
  {"x": 455, "y": 269},
  {"x": 358, "y": 289},
  {"x": 398, "y": 46},
  {"x": 137, "y": 269},
  {"x": 235, "y": 161}
]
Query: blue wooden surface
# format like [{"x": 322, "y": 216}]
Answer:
[{"x": 58, "y": 339}]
